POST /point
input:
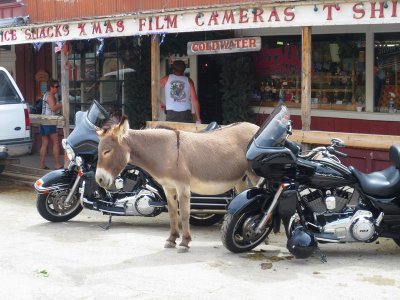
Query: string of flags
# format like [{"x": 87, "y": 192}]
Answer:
[
  {"x": 37, "y": 46},
  {"x": 99, "y": 48}
]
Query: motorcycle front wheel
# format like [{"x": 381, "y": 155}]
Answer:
[
  {"x": 204, "y": 219},
  {"x": 238, "y": 232},
  {"x": 54, "y": 208}
]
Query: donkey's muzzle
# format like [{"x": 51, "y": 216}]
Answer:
[{"x": 103, "y": 178}]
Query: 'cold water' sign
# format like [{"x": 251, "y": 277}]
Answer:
[{"x": 224, "y": 46}]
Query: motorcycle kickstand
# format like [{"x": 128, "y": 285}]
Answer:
[
  {"x": 108, "y": 225},
  {"x": 322, "y": 257}
]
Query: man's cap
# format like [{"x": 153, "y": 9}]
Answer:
[{"x": 179, "y": 66}]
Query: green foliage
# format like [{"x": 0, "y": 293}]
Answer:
[
  {"x": 138, "y": 85},
  {"x": 236, "y": 84}
]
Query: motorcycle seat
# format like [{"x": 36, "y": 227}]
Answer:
[
  {"x": 212, "y": 126},
  {"x": 385, "y": 183},
  {"x": 394, "y": 155}
]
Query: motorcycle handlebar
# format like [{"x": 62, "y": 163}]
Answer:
[{"x": 335, "y": 152}]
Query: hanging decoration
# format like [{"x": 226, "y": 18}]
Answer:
[
  {"x": 162, "y": 38},
  {"x": 59, "y": 46},
  {"x": 37, "y": 46},
  {"x": 100, "y": 48}
]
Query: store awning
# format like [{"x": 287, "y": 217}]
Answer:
[{"x": 206, "y": 19}]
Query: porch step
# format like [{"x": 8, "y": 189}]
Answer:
[
  {"x": 22, "y": 169},
  {"x": 22, "y": 175},
  {"x": 19, "y": 179}
]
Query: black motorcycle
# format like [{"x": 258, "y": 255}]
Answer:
[
  {"x": 318, "y": 198},
  {"x": 62, "y": 194}
]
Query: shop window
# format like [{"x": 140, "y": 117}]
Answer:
[
  {"x": 338, "y": 71},
  {"x": 277, "y": 69},
  {"x": 97, "y": 74},
  {"x": 338, "y": 74},
  {"x": 387, "y": 72}
]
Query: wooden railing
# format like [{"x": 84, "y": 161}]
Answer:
[
  {"x": 354, "y": 140},
  {"x": 46, "y": 120}
]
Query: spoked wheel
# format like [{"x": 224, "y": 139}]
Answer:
[
  {"x": 54, "y": 207},
  {"x": 204, "y": 219},
  {"x": 238, "y": 233}
]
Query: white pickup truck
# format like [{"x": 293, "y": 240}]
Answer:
[{"x": 15, "y": 131}]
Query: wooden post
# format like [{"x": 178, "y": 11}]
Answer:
[
  {"x": 65, "y": 88},
  {"x": 306, "y": 79},
  {"x": 155, "y": 76}
]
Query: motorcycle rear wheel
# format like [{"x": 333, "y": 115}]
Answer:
[
  {"x": 204, "y": 219},
  {"x": 238, "y": 231},
  {"x": 53, "y": 207}
]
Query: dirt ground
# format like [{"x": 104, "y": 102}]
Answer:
[{"x": 80, "y": 260}]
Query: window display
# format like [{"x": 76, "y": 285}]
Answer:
[
  {"x": 387, "y": 72},
  {"x": 277, "y": 68},
  {"x": 338, "y": 71},
  {"x": 338, "y": 75}
]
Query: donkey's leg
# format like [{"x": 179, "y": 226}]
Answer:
[
  {"x": 184, "y": 209},
  {"x": 173, "y": 218},
  {"x": 253, "y": 178},
  {"x": 241, "y": 185},
  {"x": 248, "y": 181}
]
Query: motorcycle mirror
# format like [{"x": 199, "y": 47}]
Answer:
[
  {"x": 289, "y": 128},
  {"x": 337, "y": 142}
]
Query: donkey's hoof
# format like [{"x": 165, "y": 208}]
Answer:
[
  {"x": 183, "y": 249},
  {"x": 169, "y": 244}
]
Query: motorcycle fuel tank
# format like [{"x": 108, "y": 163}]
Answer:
[{"x": 330, "y": 175}]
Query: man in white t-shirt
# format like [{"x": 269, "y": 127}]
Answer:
[{"x": 180, "y": 95}]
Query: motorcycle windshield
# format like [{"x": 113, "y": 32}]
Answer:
[
  {"x": 97, "y": 115},
  {"x": 274, "y": 130},
  {"x": 84, "y": 139}
]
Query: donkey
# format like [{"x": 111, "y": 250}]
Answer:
[{"x": 207, "y": 163}]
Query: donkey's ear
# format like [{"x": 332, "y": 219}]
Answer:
[
  {"x": 123, "y": 128},
  {"x": 101, "y": 132}
]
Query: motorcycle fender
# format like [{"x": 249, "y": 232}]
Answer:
[
  {"x": 64, "y": 179},
  {"x": 249, "y": 198}
]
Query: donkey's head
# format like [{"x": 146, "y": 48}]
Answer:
[{"x": 113, "y": 153}]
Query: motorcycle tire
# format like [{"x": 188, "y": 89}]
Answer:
[
  {"x": 238, "y": 231},
  {"x": 53, "y": 208},
  {"x": 204, "y": 220}
]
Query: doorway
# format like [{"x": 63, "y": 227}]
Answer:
[{"x": 209, "y": 89}]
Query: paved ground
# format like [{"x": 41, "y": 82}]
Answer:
[{"x": 79, "y": 260}]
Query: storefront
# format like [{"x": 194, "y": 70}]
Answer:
[{"x": 353, "y": 75}]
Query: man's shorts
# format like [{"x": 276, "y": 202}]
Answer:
[
  {"x": 47, "y": 129},
  {"x": 179, "y": 116}
]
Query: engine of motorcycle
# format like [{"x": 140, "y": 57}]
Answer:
[
  {"x": 362, "y": 227},
  {"x": 349, "y": 227},
  {"x": 333, "y": 201},
  {"x": 139, "y": 204}
]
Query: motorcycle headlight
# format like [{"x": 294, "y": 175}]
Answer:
[
  {"x": 64, "y": 143},
  {"x": 70, "y": 152},
  {"x": 79, "y": 161}
]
